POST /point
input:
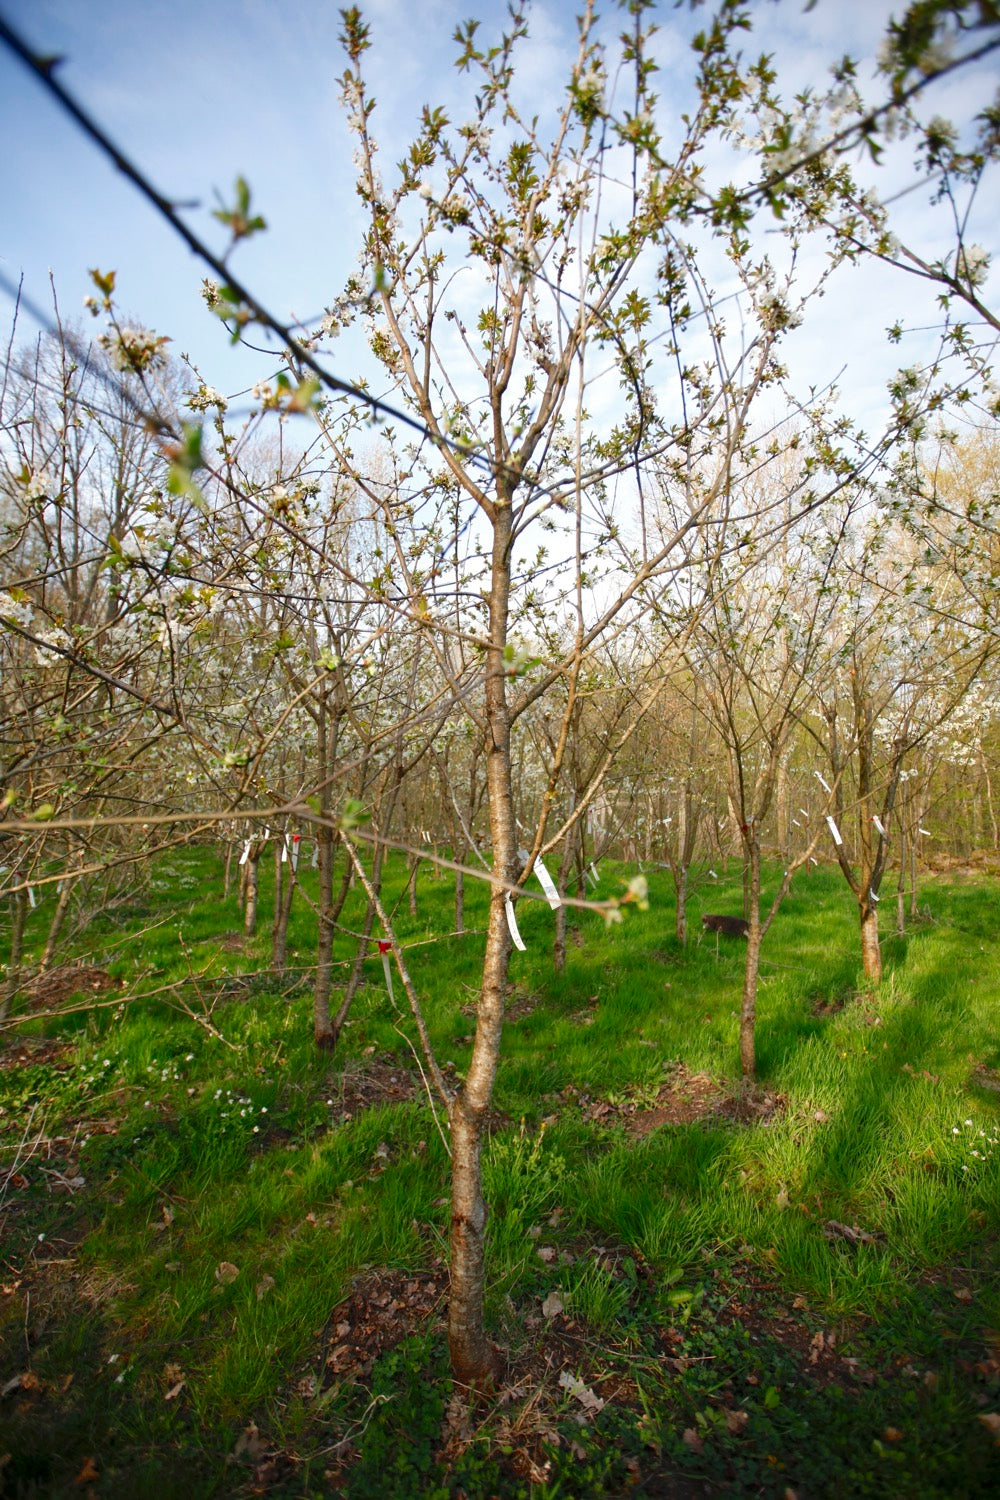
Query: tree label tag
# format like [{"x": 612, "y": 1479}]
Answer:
[
  {"x": 516, "y": 937},
  {"x": 547, "y": 884}
]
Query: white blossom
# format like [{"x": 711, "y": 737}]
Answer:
[
  {"x": 205, "y": 397},
  {"x": 135, "y": 348},
  {"x": 39, "y": 486},
  {"x": 973, "y": 262},
  {"x": 18, "y": 610},
  {"x": 55, "y": 636}
]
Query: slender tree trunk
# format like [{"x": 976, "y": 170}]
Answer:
[
  {"x": 472, "y": 1358},
  {"x": 989, "y": 798},
  {"x": 681, "y": 889},
  {"x": 252, "y": 869},
  {"x": 748, "y": 1004},
  {"x": 459, "y": 901},
  {"x": 279, "y": 933},
  {"x": 279, "y": 880},
  {"x": 901, "y": 885},
  {"x": 227, "y": 878},
  {"x": 871, "y": 953},
  {"x": 781, "y": 807},
  {"x": 562, "y": 880},
  {"x": 19, "y": 916},
  {"x": 59, "y": 915},
  {"x": 322, "y": 1026},
  {"x": 411, "y": 884}
]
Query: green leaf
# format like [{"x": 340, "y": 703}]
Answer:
[{"x": 353, "y": 814}]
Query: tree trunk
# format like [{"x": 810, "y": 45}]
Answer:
[
  {"x": 559, "y": 940},
  {"x": 781, "y": 805},
  {"x": 59, "y": 915},
  {"x": 748, "y": 1005},
  {"x": 871, "y": 954},
  {"x": 252, "y": 889},
  {"x": 472, "y": 1358},
  {"x": 562, "y": 880},
  {"x": 412, "y": 884},
  {"x": 322, "y": 1025},
  {"x": 19, "y": 916},
  {"x": 279, "y": 880},
  {"x": 459, "y": 901},
  {"x": 279, "y": 933},
  {"x": 680, "y": 887}
]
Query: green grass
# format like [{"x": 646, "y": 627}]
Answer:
[{"x": 173, "y": 1320}]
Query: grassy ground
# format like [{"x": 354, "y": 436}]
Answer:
[{"x": 223, "y": 1254}]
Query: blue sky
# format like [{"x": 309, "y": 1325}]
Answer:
[{"x": 197, "y": 93}]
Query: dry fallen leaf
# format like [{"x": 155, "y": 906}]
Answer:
[
  {"x": 88, "y": 1474},
  {"x": 264, "y": 1285},
  {"x": 834, "y": 1230},
  {"x": 575, "y": 1386},
  {"x": 991, "y": 1421},
  {"x": 892, "y": 1434},
  {"x": 694, "y": 1440},
  {"x": 546, "y": 1253},
  {"x": 167, "y": 1219},
  {"x": 225, "y": 1272},
  {"x": 552, "y": 1305},
  {"x": 736, "y": 1420},
  {"x": 249, "y": 1444},
  {"x": 25, "y": 1382}
]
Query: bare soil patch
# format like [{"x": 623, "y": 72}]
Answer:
[
  {"x": 378, "y": 1080},
  {"x": 983, "y": 1077},
  {"x": 684, "y": 1097},
  {"x": 55, "y": 986},
  {"x": 34, "y": 1051}
]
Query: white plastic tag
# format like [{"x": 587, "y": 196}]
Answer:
[
  {"x": 547, "y": 884},
  {"x": 516, "y": 937},
  {"x": 834, "y": 831}
]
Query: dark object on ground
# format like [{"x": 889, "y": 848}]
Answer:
[{"x": 728, "y": 926}]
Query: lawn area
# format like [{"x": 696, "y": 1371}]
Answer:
[{"x": 223, "y": 1253}]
